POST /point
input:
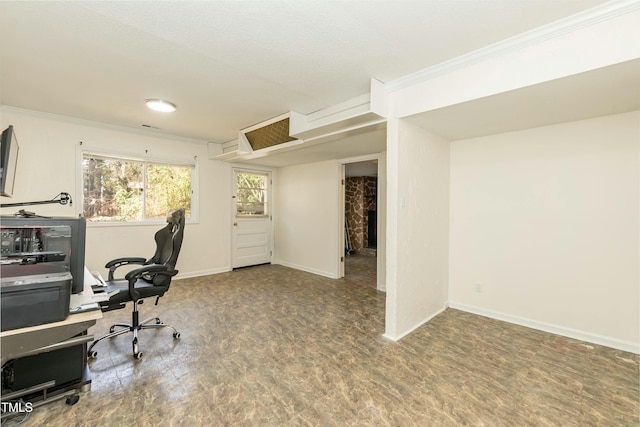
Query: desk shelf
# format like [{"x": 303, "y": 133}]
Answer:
[{"x": 47, "y": 342}]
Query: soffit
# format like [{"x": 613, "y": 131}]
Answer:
[{"x": 605, "y": 91}]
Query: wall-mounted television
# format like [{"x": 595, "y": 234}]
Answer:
[{"x": 8, "y": 161}]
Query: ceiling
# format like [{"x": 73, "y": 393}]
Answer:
[{"x": 231, "y": 64}]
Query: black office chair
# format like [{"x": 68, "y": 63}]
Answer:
[{"x": 150, "y": 280}]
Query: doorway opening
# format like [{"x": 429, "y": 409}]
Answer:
[
  {"x": 361, "y": 205},
  {"x": 361, "y": 193}
]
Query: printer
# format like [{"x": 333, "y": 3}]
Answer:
[{"x": 36, "y": 279}]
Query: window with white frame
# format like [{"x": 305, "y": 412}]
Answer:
[
  {"x": 117, "y": 189},
  {"x": 251, "y": 194}
]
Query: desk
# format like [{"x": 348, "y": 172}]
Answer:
[
  {"x": 34, "y": 340},
  {"x": 23, "y": 342}
]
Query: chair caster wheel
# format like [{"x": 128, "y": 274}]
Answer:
[
  {"x": 111, "y": 329},
  {"x": 136, "y": 353},
  {"x": 176, "y": 334},
  {"x": 92, "y": 354},
  {"x": 158, "y": 321},
  {"x": 72, "y": 400}
]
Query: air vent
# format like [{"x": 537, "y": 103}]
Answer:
[{"x": 270, "y": 135}]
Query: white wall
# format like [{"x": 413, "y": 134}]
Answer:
[
  {"x": 547, "y": 219},
  {"x": 381, "y": 254},
  {"x": 48, "y": 164},
  {"x": 417, "y": 227},
  {"x": 306, "y": 220}
]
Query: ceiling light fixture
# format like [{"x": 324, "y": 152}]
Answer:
[{"x": 160, "y": 105}]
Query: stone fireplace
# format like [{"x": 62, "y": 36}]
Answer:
[{"x": 360, "y": 209}]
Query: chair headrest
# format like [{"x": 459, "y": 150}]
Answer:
[{"x": 175, "y": 216}]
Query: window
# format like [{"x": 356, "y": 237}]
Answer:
[
  {"x": 251, "y": 194},
  {"x": 124, "y": 190}
]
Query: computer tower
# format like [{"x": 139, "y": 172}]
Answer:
[{"x": 63, "y": 366}]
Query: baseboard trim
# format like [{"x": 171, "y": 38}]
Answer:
[
  {"x": 226, "y": 269},
  {"x": 307, "y": 269},
  {"x": 408, "y": 331},
  {"x": 191, "y": 274},
  {"x": 551, "y": 328}
]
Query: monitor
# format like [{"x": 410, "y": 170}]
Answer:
[{"x": 8, "y": 161}]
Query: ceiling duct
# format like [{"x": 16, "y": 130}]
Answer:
[{"x": 269, "y": 135}]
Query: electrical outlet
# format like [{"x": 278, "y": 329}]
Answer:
[{"x": 478, "y": 287}]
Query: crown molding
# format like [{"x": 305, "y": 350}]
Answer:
[
  {"x": 587, "y": 18},
  {"x": 152, "y": 133}
]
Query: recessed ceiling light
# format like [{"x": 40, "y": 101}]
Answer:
[{"x": 160, "y": 105}]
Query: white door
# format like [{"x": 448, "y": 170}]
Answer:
[{"x": 251, "y": 230}]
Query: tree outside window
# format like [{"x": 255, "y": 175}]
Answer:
[
  {"x": 122, "y": 190},
  {"x": 251, "y": 194}
]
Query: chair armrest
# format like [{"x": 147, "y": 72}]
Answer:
[
  {"x": 119, "y": 262},
  {"x": 133, "y": 276}
]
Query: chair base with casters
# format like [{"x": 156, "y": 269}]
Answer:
[{"x": 134, "y": 327}]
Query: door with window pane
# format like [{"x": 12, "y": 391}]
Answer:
[{"x": 251, "y": 230}]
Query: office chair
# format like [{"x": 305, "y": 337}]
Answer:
[{"x": 150, "y": 280}]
